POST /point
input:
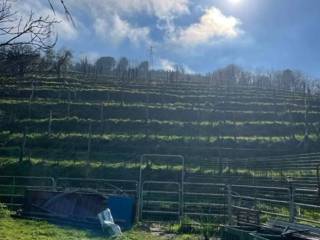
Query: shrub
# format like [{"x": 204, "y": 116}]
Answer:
[{"x": 4, "y": 211}]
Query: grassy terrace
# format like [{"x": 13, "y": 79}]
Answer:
[
  {"x": 118, "y": 166},
  {"x": 162, "y": 127},
  {"x": 165, "y": 95},
  {"x": 142, "y": 143},
  {"x": 41, "y": 109},
  {"x": 109, "y": 82},
  {"x": 178, "y": 89},
  {"x": 194, "y": 120}
]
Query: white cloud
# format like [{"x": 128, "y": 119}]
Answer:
[
  {"x": 159, "y": 8},
  {"x": 63, "y": 28},
  {"x": 116, "y": 29},
  {"x": 111, "y": 17},
  {"x": 115, "y": 21},
  {"x": 165, "y": 9},
  {"x": 213, "y": 26},
  {"x": 188, "y": 69},
  {"x": 168, "y": 65}
]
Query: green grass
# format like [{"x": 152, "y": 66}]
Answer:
[
  {"x": 229, "y": 107},
  {"x": 15, "y": 229},
  {"x": 19, "y": 229},
  {"x": 126, "y": 137}
]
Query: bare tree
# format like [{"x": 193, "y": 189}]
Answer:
[
  {"x": 122, "y": 68},
  {"x": 63, "y": 60},
  {"x": 105, "y": 65},
  {"x": 33, "y": 31},
  {"x": 66, "y": 10}
]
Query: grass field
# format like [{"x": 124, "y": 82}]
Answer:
[
  {"x": 18, "y": 229},
  {"x": 22, "y": 229}
]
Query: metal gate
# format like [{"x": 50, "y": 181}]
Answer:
[
  {"x": 205, "y": 202},
  {"x": 160, "y": 201}
]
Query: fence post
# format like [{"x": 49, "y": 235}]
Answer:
[
  {"x": 13, "y": 190},
  {"x": 182, "y": 188},
  {"x": 89, "y": 149},
  {"x": 139, "y": 209},
  {"x": 69, "y": 103},
  {"x": 141, "y": 204},
  {"x": 23, "y": 145},
  {"x": 292, "y": 207},
  {"x": 318, "y": 179},
  {"x": 54, "y": 184},
  {"x": 50, "y": 123},
  {"x": 229, "y": 196}
]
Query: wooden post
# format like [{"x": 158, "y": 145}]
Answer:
[
  {"x": 198, "y": 124},
  {"x": 229, "y": 193},
  {"x": 50, "y": 123},
  {"x": 182, "y": 189},
  {"x": 318, "y": 180},
  {"x": 101, "y": 112},
  {"x": 102, "y": 118},
  {"x": 147, "y": 114},
  {"x": 305, "y": 117},
  {"x": 234, "y": 127},
  {"x": 23, "y": 145},
  {"x": 30, "y": 101},
  {"x": 69, "y": 103},
  {"x": 292, "y": 206},
  {"x": 89, "y": 148},
  {"x": 220, "y": 166}
]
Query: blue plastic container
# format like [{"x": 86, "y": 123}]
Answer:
[{"x": 123, "y": 210}]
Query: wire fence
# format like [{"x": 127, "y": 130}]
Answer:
[{"x": 205, "y": 202}]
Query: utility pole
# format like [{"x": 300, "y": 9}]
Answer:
[
  {"x": 151, "y": 56},
  {"x": 151, "y": 61},
  {"x": 89, "y": 149}
]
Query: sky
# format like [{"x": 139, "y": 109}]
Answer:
[{"x": 201, "y": 35}]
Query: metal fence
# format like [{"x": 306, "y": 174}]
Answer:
[
  {"x": 165, "y": 201},
  {"x": 205, "y": 201},
  {"x": 160, "y": 201},
  {"x": 106, "y": 186},
  {"x": 291, "y": 204},
  {"x": 12, "y": 188}
]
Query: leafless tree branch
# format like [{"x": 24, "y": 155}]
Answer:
[
  {"x": 33, "y": 31},
  {"x": 65, "y": 8}
]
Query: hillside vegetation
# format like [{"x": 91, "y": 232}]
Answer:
[{"x": 70, "y": 121}]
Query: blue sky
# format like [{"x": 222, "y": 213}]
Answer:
[{"x": 202, "y": 35}]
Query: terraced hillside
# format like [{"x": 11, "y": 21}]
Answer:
[{"x": 54, "y": 127}]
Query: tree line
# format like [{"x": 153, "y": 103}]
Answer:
[
  {"x": 22, "y": 59},
  {"x": 27, "y": 46}
]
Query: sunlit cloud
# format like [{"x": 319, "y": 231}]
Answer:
[
  {"x": 168, "y": 65},
  {"x": 212, "y": 26}
]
